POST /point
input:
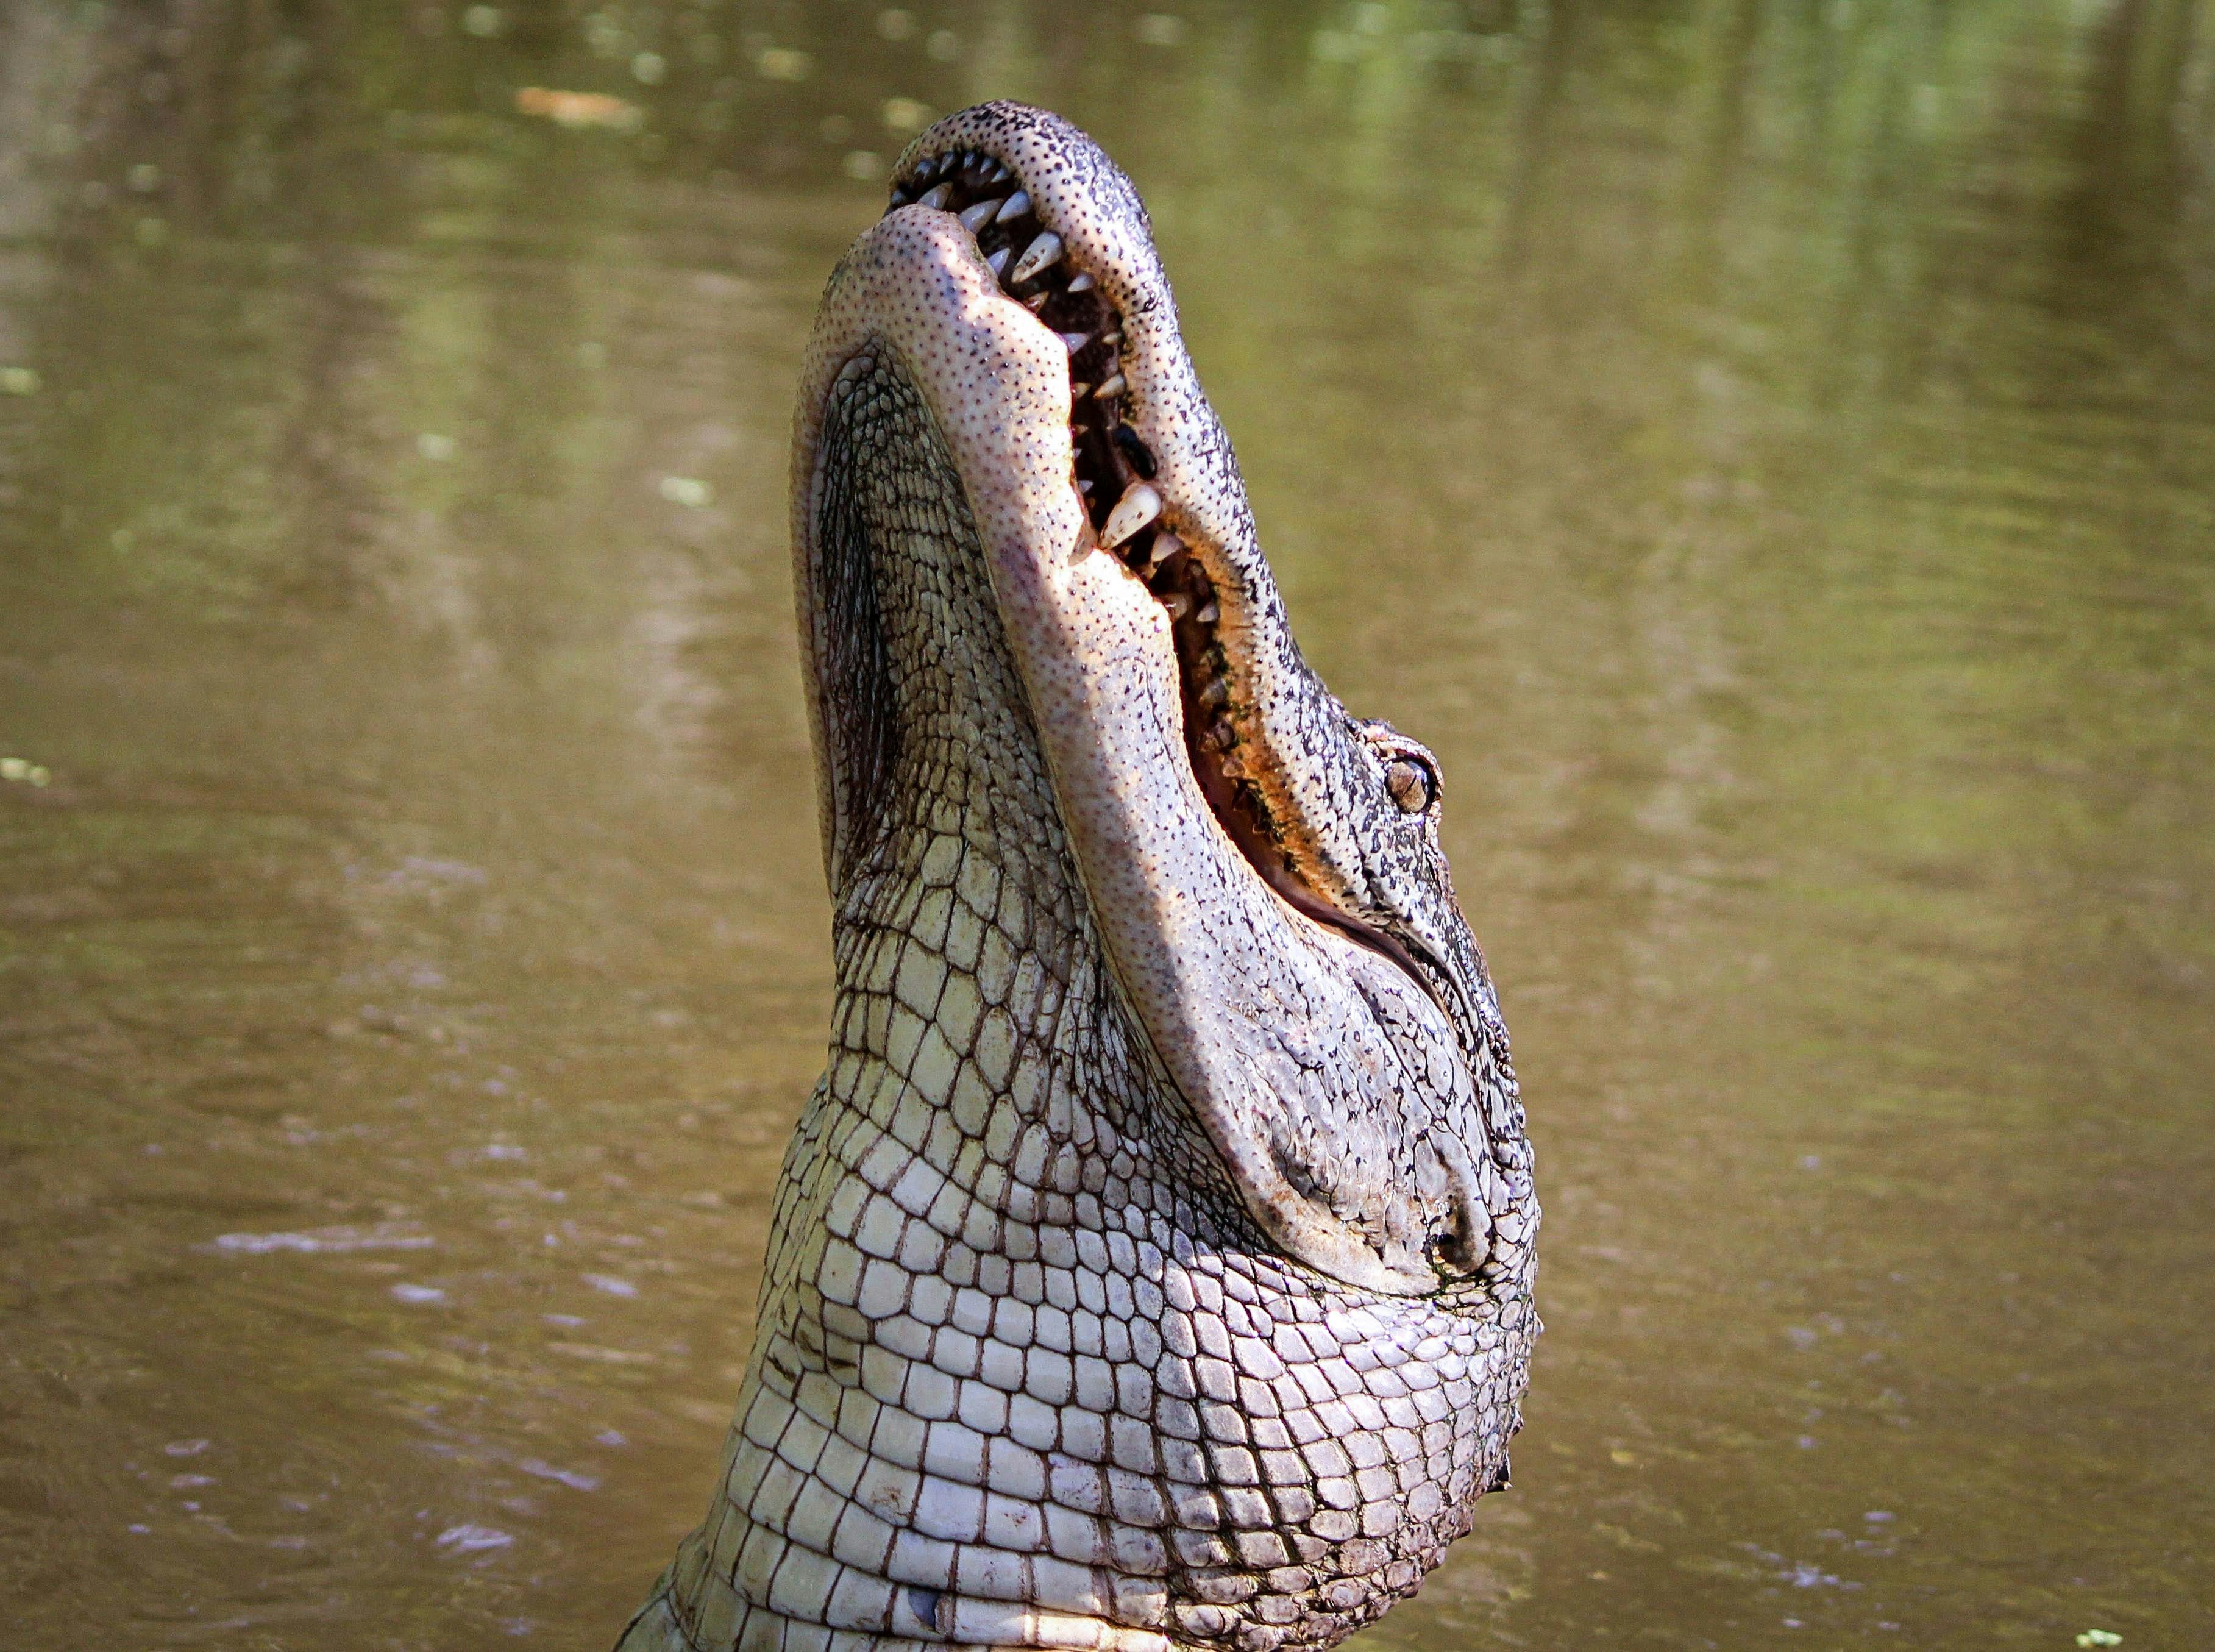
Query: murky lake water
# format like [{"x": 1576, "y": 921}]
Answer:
[{"x": 1769, "y": 450}]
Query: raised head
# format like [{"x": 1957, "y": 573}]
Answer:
[{"x": 1153, "y": 1265}]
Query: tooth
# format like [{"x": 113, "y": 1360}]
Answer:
[
  {"x": 1112, "y": 338},
  {"x": 1078, "y": 389},
  {"x": 1178, "y": 604},
  {"x": 925, "y": 167},
  {"x": 1113, "y": 385},
  {"x": 1075, "y": 341},
  {"x": 1233, "y": 769},
  {"x": 937, "y": 195},
  {"x": 1036, "y": 302},
  {"x": 974, "y": 218},
  {"x": 1216, "y": 693},
  {"x": 1017, "y": 205},
  {"x": 1037, "y": 256},
  {"x": 1000, "y": 174},
  {"x": 1084, "y": 485},
  {"x": 1224, "y": 735},
  {"x": 1140, "y": 504},
  {"x": 998, "y": 261},
  {"x": 1081, "y": 282},
  {"x": 1166, "y": 545},
  {"x": 1208, "y": 613}
]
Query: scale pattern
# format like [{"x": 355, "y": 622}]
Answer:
[{"x": 1026, "y": 1373}]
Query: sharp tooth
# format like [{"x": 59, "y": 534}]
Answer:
[
  {"x": 1140, "y": 504},
  {"x": 1000, "y": 174},
  {"x": 1233, "y": 769},
  {"x": 1166, "y": 545},
  {"x": 1078, "y": 389},
  {"x": 974, "y": 218},
  {"x": 1017, "y": 205},
  {"x": 998, "y": 261},
  {"x": 1036, "y": 302},
  {"x": 925, "y": 168},
  {"x": 1178, "y": 604},
  {"x": 1216, "y": 693},
  {"x": 1075, "y": 341},
  {"x": 1113, "y": 385},
  {"x": 937, "y": 195},
  {"x": 900, "y": 197},
  {"x": 1084, "y": 485},
  {"x": 1081, "y": 282},
  {"x": 1037, "y": 256},
  {"x": 1208, "y": 613},
  {"x": 1112, "y": 338},
  {"x": 1225, "y": 736}
]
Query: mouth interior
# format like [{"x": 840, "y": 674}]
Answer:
[{"x": 1115, "y": 474}]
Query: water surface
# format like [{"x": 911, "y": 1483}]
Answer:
[{"x": 1766, "y": 449}]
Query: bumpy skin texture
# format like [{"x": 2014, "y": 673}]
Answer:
[{"x": 1152, "y": 1266}]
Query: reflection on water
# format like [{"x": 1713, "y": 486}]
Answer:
[{"x": 1765, "y": 448}]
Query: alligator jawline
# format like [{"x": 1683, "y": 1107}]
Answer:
[{"x": 1112, "y": 465}]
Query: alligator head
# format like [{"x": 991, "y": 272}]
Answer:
[{"x": 1152, "y": 1265}]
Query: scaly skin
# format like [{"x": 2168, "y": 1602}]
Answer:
[{"x": 1151, "y": 1266}]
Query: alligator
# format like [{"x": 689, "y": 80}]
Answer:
[{"x": 1152, "y": 1266}]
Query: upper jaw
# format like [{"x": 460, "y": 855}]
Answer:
[
  {"x": 1336, "y": 1090},
  {"x": 1285, "y": 767},
  {"x": 1277, "y": 721}
]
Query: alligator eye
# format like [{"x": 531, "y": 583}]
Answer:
[{"x": 1411, "y": 783}]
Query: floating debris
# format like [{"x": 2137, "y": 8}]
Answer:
[
  {"x": 904, "y": 114},
  {"x": 783, "y": 63},
  {"x": 579, "y": 109},
  {"x": 486, "y": 23},
  {"x": 1160, "y": 28},
  {"x": 575, "y": 1479},
  {"x": 19, "y": 381},
  {"x": 434, "y": 447},
  {"x": 24, "y": 772},
  {"x": 688, "y": 491},
  {"x": 469, "y": 1537},
  {"x": 326, "y": 1241},
  {"x": 418, "y": 1294}
]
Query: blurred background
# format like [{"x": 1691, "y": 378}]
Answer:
[{"x": 1766, "y": 446}]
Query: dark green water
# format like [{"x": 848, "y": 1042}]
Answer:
[{"x": 1769, "y": 450}]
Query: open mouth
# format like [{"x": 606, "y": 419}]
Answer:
[{"x": 1116, "y": 473}]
